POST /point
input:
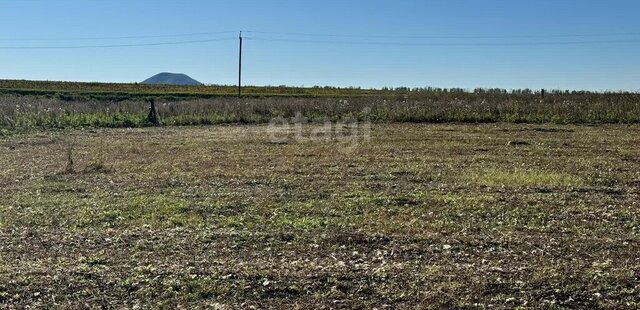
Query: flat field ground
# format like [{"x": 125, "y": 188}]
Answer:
[{"x": 418, "y": 216}]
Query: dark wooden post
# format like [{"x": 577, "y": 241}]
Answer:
[{"x": 153, "y": 113}]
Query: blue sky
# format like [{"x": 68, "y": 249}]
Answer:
[{"x": 470, "y": 60}]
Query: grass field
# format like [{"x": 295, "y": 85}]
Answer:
[
  {"x": 23, "y": 113},
  {"x": 37, "y": 105},
  {"x": 417, "y": 216}
]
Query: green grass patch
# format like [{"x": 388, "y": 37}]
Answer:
[
  {"x": 522, "y": 177},
  {"x": 153, "y": 211}
]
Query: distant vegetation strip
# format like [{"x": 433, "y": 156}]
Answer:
[
  {"x": 19, "y": 112},
  {"x": 108, "y": 91},
  {"x": 82, "y": 91}
]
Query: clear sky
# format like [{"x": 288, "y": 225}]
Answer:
[{"x": 488, "y": 43}]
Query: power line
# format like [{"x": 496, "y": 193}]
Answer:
[
  {"x": 389, "y": 43},
  {"x": 521, "y": 36},
  {"x": 329, "y": 41},
  {"x": 304, "y": 34},
  {"x": 121, "y": 37},
  {"x": 117, "y": 45}
]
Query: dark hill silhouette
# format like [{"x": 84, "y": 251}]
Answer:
[{"x": 167, "y": 78}]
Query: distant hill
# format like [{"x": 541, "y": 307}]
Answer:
[{"x": 166, "y": 78}]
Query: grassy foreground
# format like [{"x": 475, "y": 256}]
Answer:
[{"x": 418, "y": 216}]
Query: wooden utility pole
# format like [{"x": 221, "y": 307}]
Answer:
[{"x": 240, "y": 66}]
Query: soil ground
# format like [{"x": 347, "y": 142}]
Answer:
[{"x": 417, "y": 216}]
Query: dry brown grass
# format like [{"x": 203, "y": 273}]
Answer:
[
  {"x": 29, "y": 112},
  {"x": 422, "y": 216}
]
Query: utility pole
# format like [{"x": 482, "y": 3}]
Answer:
[{"x": 240, "y": 66}]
